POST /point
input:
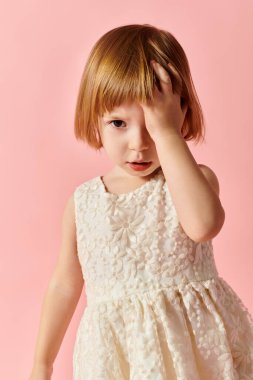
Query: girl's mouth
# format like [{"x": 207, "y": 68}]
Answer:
[{"x": 139, "y": 166}]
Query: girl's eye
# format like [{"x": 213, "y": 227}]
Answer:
[{"x": 117, "y": 121}]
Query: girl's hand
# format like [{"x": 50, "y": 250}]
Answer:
[{"x": 164, "y": 114}]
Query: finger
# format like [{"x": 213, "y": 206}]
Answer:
[
  {"x": 175, "y": 72},
  {"x": 163, "y": 75}
]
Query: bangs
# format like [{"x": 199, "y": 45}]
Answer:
[{"x": 130, "y": 79}]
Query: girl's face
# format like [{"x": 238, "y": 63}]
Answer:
[{"x": 126, "y": 139}]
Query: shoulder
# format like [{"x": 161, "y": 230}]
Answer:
[
  {"x": 68, "y": 217},
  {"x": 211, "y": 177},
  {"x": 86, "y": 186}
]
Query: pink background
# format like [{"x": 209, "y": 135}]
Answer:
[{"x": 44, "y": 46}]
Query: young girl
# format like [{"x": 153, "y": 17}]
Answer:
[{"x": 140, "y": 236}]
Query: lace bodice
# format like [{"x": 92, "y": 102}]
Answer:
[{"x": 134, "y": 241}]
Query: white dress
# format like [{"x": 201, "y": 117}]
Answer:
[{"x": 157, "y": 308}]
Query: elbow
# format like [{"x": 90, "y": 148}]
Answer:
[{"x": 210, "y": 231}]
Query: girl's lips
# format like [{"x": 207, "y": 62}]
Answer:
[{"x": 140, "y": 166}]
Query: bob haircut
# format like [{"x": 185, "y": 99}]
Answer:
[{"x": 118, "y": 70}]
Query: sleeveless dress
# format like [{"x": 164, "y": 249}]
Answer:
[{"x": 157, "y": 308}]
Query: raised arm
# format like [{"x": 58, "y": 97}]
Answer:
[{"x": 60, "y": 300}]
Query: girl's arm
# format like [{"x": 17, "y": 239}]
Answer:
[
  {"x": 194, "y": 189},
  {"x": 60, "y": 300}
]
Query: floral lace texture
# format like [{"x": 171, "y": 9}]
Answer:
[{"x": 157, "y": 308}]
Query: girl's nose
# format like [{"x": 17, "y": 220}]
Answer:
[{"x": 140, "y": 139}]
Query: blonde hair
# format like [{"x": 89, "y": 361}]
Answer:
[{"x": 118, "y": 70}]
